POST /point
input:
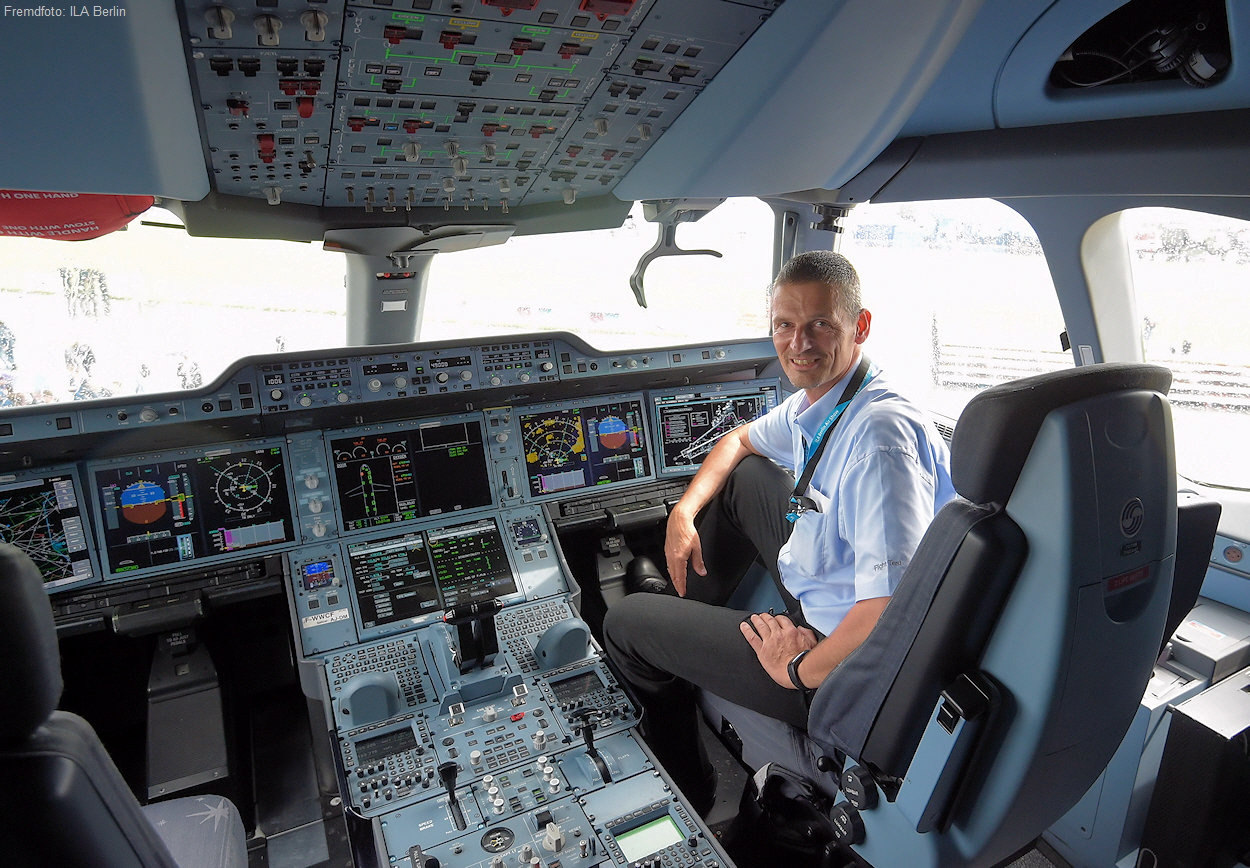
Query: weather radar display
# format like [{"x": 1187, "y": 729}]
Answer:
[
  {"x": 176, "y": 509},
  {"x": 570, "y": 447},
  {"x": 41, "y": 516}
]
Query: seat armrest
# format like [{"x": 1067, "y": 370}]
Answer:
[{"x": 947, "y": 744}]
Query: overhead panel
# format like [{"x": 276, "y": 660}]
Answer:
[{"x": 449, "y": 105}]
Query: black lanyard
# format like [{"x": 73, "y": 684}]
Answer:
[{"x": 799, "y": 502}]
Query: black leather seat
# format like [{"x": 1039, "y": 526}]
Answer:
[{"x": 62, "y": 800}]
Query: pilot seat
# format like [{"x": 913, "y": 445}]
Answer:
[
  {"x": 1013, "y": 655},
  {"x": 63, "y": 802}
]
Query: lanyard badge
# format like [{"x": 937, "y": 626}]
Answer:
[{"x": 799, "y": 502}]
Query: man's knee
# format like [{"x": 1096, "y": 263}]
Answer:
[{"x": 625, "y": 619}]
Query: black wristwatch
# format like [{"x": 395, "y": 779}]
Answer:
[{"x": 793, "y": 669}]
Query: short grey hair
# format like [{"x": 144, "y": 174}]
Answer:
[{"x": 832, "y": 269}]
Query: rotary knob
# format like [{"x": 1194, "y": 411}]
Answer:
[
  {"x": 545, "y": 367},
  {"x": 441, "y": 376},
  {"x": 495, "y": 380},
  {"x": 316, "y": 505},
  {"x": 401, "y": 382},
  {"x": 342, "y": 397},
  {"x": 275, "y": 394},
  {"x": 305, "y": 400},
  {"x": 147, "y": 414},
  {"x": 524, "y": 377},
  {"x": 319, "y": 528},
  {"x": 466, "y": 375},
  {"x": 374, "y": 385}
]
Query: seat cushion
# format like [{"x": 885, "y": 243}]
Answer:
[{"x": 200, "y": 831}]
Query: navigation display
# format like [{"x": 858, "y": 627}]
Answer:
[
  {"x": 41, "y": 516},
  {"x": 691, "y": 421},
  {"x": 175, "y": 508},
  {"x": 575, "y": 446},
  {"x": 392, "y": 580},
  {"x": 405, "y": 474},
  {"x": 470, "y": 563}
]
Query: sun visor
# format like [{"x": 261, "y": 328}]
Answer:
[{"x": 67, "y": 216}]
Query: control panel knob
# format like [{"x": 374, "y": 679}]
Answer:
[
  {"x": 305, "y": 400},
  {"x": 442, "y": 377},
  {"x": 316, "y": 505},
  {"x": 546, "y": 367},
  {"x": 631, "y": 363},
  {"x": 147, "y": 414},
  {"x": 848, "y": 825},
  {"x": 527, "y": 853},
  {"x": 374, "y": 384},
  {"x": 401, "y": 382},
  {"x": 311, "y": 481},
  {"x": 342, "y": 397},
  {"x": 275, "y": 394},
  {"x": 540, "y": 739},
  {"x": 319, "y": 528},
  {"x": 495, "y": 380},
  {"x": 466, "y": 375},
  {"x": 720, "y": 354},
  {"x": 501, "y": 437},
  {"x": 490, "y": 714},
  {"x": 524, "y": 377}
]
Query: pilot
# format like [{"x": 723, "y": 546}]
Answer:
[{"x": 832, "y": 491}]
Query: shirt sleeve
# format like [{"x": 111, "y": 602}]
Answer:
[
  {"x": 887, "y": 501},
  {"x": 772, "y": 434}
]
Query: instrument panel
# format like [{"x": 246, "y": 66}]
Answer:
[{"x": 474, "y": 719}]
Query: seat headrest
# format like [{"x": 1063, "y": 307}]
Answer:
[
  {"x": 996, "y": 430},
  {"x": 30, "y": 661}
]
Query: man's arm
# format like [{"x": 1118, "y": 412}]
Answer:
[
  {"x": 681, "y": 541},
  {"x": 776, "y": 640}
]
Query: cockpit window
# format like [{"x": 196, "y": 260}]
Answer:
[
  {"x": 579, "y": 282},
  {"x": 1189, "y": 274},
  {"x": 152, "y": 309},
  {"x": 960, "y": 295}
]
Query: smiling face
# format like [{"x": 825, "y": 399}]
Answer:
[{"x": 816, "y": 341}]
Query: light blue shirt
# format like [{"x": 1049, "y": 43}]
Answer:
[{"x": 883, "y": 476}]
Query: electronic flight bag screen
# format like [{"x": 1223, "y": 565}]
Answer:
[
  {"x": 385, "y": 476},
  {"x": 573, "y": 446},
  {"x": 174, "y": 508},
  {"x": 41, "y": 515},
  {"x": 690, "y": 421}
]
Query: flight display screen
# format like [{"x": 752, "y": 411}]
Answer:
[
  {"x": 470, "y": 563},
  {"x": 581, "y": 446},
  {"x": 41, "y": 516},
  {"x": 401, "y": 475},
  {"x": 177, "y": 508},
  {"x": 392, "y": 580},
  {"x": 689, "y": 423}
]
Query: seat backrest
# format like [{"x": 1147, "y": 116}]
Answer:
[
  {"x": 1049, "y": 584},
  {"x": 62, "y": 800}
]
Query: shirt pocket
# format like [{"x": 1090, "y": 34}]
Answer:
[{"x": 814, "y": 540}]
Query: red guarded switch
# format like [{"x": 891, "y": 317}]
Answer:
[{"x": 265, "y": 148}]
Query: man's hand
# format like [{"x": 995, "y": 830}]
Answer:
[
  {"x": 682, "y": 547},
  {"x": 775, "y": 640}
]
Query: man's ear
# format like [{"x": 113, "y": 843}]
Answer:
[{"x": 863, "y": 325}]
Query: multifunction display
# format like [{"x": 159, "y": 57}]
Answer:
[
  {"x": 41, "y": 516},
  {"x": 582, "y": 445},
  {"x": 172, "y": 509},
  {"x": 470, "y": 563},
  {"x": 405, "y": 474},
  {"x": 392, "y": 580},
  {"x": 691, "y": 422}
]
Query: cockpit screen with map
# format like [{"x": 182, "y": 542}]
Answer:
[
  {"x": 173, "y": 508},
  {"x": 689, "y": 422},
  {"x": 579, "y": 445},
  {"x": 388, "y": 476},
  {"x": 41, "y": 515}
]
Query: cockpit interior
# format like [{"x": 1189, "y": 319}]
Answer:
[{"x": 337, "y": 599}]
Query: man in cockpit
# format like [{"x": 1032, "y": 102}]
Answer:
[{"x": 832, "y": 490}]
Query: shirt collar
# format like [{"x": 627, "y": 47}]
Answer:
[{"x": 810, "y": 416}]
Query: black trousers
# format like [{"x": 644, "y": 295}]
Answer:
[{"x": 665, "y": 646}]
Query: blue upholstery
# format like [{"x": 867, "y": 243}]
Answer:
[{"x": 62, "y": 800}]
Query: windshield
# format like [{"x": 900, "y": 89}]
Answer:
[{"x": 152, "y": 309}]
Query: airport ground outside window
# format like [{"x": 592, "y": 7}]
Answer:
[
  {"x": 1189, "y": 275},
  {"x": 152, "y": 309},
  {"x": 579, "y": 282},
  {"x": 960, "y": 294}
]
